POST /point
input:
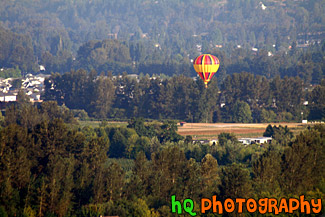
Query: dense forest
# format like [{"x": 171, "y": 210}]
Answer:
[{"x": 51, "y": 166}]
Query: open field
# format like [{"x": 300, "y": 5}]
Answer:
[
  {"x": 211, "y": 130},
  {"x": 97, "y": 123}
]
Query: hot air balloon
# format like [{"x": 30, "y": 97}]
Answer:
[{"x": 206, "y": 65}]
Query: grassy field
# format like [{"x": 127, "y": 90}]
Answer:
[{"x": 97, "y": 123}]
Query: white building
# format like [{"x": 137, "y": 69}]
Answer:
[
  {"x": 258, "y": 140},
  {"x": 245, "y": 141},
  {"x": 7, "y": 97}
]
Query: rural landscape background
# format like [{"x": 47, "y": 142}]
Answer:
[{"x": 103, "y": 114}]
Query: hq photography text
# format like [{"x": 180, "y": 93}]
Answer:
[{"x": 240, "y": 205}]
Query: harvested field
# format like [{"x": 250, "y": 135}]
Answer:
[{"x": 208, "y": 130}]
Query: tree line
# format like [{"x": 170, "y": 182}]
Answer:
[
  {"x": 51, "y": 166},
  {"x": 242, "y": 98}
]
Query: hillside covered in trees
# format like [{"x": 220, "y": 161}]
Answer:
[{"x": 161, "y": 37}]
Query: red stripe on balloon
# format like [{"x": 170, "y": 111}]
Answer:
[
  {"x": 216, "y": 61},
  {"x": 211, "y": 74},
  {"x": 201, "y": 75},
  {"x": 207, "y": 60},
  {"x": 198, "y": 60}
]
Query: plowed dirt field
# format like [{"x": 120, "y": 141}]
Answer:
[{"x": 207, "y": 130}]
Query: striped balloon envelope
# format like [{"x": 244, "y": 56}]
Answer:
[{"x": 206, "y": 65}]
